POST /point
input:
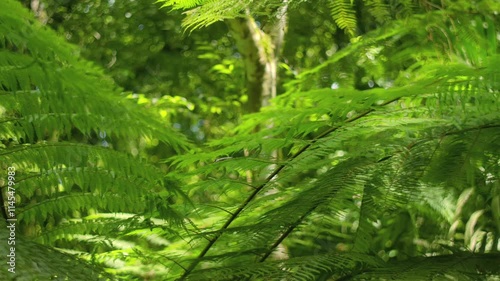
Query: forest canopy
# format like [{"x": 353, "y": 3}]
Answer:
[{"x": 250, "y": 140}]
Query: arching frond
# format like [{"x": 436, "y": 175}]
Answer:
[
  {"x": 32, "y": 260},
  {"x": 59, "y": 117},
  {"x": 370, "y": 154},
  {"x": 344, "y": 15},
  {"x": 379, "y": 10}
]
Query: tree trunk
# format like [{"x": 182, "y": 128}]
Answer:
[
  {"x": 260, "y": 51},
  {"x": 39, "y": 10}
]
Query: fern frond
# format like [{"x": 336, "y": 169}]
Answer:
[
  {"x": 35, "y": 260},
  {"x": 44, "y": 83},
  {"x": 300, "y": 268},
  {"x": 460, "y": 266},
  {"x": 343, "y": 13},
  {"x": 396, "y": 172},
  {"x": 202, "y": 13},
  {"x": 68, "y": 177},
  {"x": 379, "y": 10},
  {"x": 182, "y": 4},
  {"x": 404, "y": 8},
  {"x": 53, "y": 106}
]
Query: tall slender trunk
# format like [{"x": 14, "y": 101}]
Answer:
[
  {"x": 261, "y": 50},
  {"x": 39, "y": 10}
]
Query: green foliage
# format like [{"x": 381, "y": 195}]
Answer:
[
  {"x": 202, "y": 13},
  {"x": 344, "y": 15},
  {"x": 400, "y": 140},
  {"x": 59, "y": 127},
  {"x": 396, "y": 181},
  {"x": 45, "y": 263},
  {"x": 208, "y": 13},
  {"x": 354, "y": 167},
  {"x": 144, "y": 50}
]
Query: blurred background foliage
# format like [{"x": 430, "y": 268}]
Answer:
[{"x": 146, "y": 51}]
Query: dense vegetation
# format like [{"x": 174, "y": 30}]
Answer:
[{"x": 250, "y": 140}]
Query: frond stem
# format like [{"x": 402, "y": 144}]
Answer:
[
  {"x": 268, "y": 179},
  {"x": 290, "y": 229}
]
